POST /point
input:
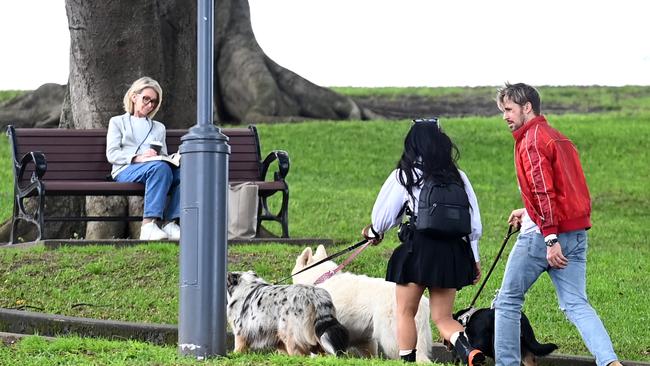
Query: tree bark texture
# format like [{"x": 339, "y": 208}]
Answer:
[{"x": 113, "y": 43}]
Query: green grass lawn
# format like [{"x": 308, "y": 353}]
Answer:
[
  {"x": 337, "y": 169},
  {"x": 6, "y": 95},
  {"x": 36, "y": 351},
  {"x": 570, "y": 98}
]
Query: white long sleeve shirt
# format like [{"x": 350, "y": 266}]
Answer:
[{"x": 393, "y": 194}]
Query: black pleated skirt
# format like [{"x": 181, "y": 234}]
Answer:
[{"x": 440, "y": 263}]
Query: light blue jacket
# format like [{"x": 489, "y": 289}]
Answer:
[{"x": 122, "y": 146}]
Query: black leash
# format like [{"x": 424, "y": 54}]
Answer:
[
  {"x": 337, "y": 254},
  {"x": 496, "y": 260},
  {"x": 465, "y": 316}
]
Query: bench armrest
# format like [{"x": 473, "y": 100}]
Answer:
[
  {"x": 283, "y": 164},
  {"x": 40, "y": 166}
]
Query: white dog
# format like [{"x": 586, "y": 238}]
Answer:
[{"x": 366, "y": 307}]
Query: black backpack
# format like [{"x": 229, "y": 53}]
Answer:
[{"x": 443, "y": 210}]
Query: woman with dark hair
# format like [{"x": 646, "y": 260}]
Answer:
[{"x": 422, "y": 261}]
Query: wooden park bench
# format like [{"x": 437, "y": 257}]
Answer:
[{"x": 68, "y": 162}]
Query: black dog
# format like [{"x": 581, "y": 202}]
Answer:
[{"x": 480, "y": 332}]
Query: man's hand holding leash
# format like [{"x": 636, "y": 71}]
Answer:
[{"x": 515, "y": 217}]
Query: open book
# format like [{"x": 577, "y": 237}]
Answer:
[{"x": 173, "y": 159}]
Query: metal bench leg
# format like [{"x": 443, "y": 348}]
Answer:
[
  {"x": 41, "y": 217},
  {"x": 284, "y": 214},
  {"x": 258, "y": 229},
  {"x": 14, "y": 222},
  {"x": 21, "y": 214},
  {"x": 264, "y": 213}
]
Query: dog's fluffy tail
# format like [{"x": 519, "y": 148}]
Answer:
[
  {"x": 333, "y": 336},
  {"x": 528, "y": 338}
]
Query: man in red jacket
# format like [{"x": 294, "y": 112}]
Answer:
[{"x": 553, "y": 226}]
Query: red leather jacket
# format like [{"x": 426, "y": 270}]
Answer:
[{"x": 552, "y": 183}]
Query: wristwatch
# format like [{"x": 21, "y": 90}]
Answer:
[{"x": 551, "y": 242}]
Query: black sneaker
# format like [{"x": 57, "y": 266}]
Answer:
[
  {"x": 467, "y": 353},
  {"x": 476, "y": 358}
]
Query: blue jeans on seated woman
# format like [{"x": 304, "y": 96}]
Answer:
[
  {"x": 527, "y": 261},
  {"x": 160, "y": 180}
]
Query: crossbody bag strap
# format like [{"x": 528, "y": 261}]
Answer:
[
  {"x": 402, "y": 210},
  {"x": 406, "y": 209}
]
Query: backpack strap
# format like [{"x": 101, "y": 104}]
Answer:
[{"x": 405, "y": 209}]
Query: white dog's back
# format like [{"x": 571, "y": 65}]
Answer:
[{"x": 365, "y": 306}]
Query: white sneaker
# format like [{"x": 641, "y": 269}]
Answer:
[
  {"x": 151, "y": 231},
  {"x": 172, "y": 230}
]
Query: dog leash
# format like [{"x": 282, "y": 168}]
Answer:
[
  {"x": 494, "y": 264},
  {"x": 327, "y": 275},
  {"x": 463, "y": 318},
  {"x": 335, "y": 255}
]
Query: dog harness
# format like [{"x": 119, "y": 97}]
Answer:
[{"x": 463, "y": 319}]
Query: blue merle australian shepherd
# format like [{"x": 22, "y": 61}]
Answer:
[{"x": 296, "y": 319}]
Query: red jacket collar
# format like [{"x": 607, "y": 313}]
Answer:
[{"x": 517, "y": 134}]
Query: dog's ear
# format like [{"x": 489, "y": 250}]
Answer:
[
  {"x": 320, "y": 252},
  {"x": 232, "y": 279},
  {"x": 304, "y": 257}
]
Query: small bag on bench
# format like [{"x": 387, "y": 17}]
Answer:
[{"x": 242, "y": 211}]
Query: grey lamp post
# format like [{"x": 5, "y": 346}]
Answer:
[{"x": 203, "y": 245}]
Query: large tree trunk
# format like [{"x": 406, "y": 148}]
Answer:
[
  {"x": 115, "y": 42},
  {"x": 253, "y": 88},
  {"x": 111, "y": 45}
]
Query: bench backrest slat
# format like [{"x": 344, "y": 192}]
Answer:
[{"x": 81, "y": 154}]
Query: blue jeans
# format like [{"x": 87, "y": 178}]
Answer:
[
  {"x": 527, "y": 261},
  {"x": 160, "y": 180}
]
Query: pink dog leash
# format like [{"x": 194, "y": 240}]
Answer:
[{"x": 325, "y": 276}]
